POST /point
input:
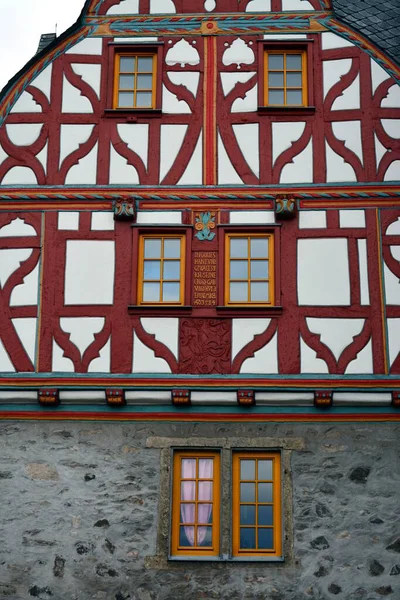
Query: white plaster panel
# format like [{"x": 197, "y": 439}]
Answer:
[
  {"x": 392, "y": 287},
  {"x": 85, "y": 171},
  {"x": 121, "y": 172},
  {"x": 238, "y": 53},
  {"x": 309, "y": 363},
  {"x": 331, "y": 40},
  {"x": 136, "y": 136},
  {"x": 363, "y": 363},
  {"x": 145, "y": 361},
  {"x": 244, "y": 331},
  {"x": 336, "y": 334},
  {"x": 229, "y": 80},
  {"x": 162, "y": 6},
  {"x": 19, "y": 176},
  {"x": 394, "y": 339},
  {"x": 71, "y": 137},
  {"x": 337, "y": 169},
  {"x": 219, "y": 398},
  {"x": 300, "y": 170},
  {"x": 182, "y": 53},
  {"x": 91, "y": 74},
  {"x": 77, "y": 397},
  {"x": 103, "y": 221},
  {"x": 349, "y": 98},
  {"x": 88, "y": 46},
  {"x": 42, "y": 157},
  {"x": 380, "y": 150},
  {"x": 172, "y": 137},
  {"x": 377, "y": 75},
  {"x": 363, "y": 266},
  {"x": 189, "y": 80},
  {"x": 148, "y": 397},
  {"x": 193, "y": 174},
  {"x": 392, "y": 127},
  {"x": 73, "y": 101},
  {"x": 68, "y": 221},
  {"x": 20, "y": 395},
  {"x": 395, "y": 252},
  {"x": 10, "y": 260},
  {"x": 392, "y": 100},
  {"x": 352, "y": 218},
  {"x": 6, "y": 365},
  {"x": 251, "y": 216},
  {"x": 102, "y": 364},
  {"x": 125, "y": 7},
  {"x": 323, "y": 277},
  {"x": 135, "y": 40},
  {"x": 264, "y": 360},
  {"x": 393, "y": 172},
  {"x": 247, "y": 104},
  {"x": 89, "y": 272},
  {"x": 171, "y": 104},
  {"x": 284, "y": 398},
  {"x": 26, "y": 293},
  {"x": 43, "y": 81},
  {"x": 259, "y": 6},
  {"x": 61, "y": 364},
  {"x": 26, "y": 330},
  {"x": 26, "y": 104},
  {"x": 247, "y": 137},
  {"x": 82, "y": 330},
  {"x": 17, "y": 228},
  {"x": 209, "y": 5},
  {"x": 312, "y": 219},
  {"x": 333, "y": 71},
  {"x": 296, "y": 5},
  {"x": 226, "y": 172},
  {"x": 394, "y": 228},
  {"x": 285, "y": 36},
  {"x": 155, "y": 217},
  {"x": 164, "y": 330},
  {"x": 361, "y": 398},
  {"x": 284, "y": 135}
]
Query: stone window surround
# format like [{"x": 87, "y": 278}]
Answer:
[{"x": 167, "y": 445}]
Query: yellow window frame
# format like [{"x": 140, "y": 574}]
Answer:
[
  {"x": 285, "y": 88},
  {"x": 135, "y": 72},
  {"x": 141, "y": 262},
  {"x": 271, "y": 269},
  {"x": 195, "y": 550},
  {"x": 276, "y": 550}
]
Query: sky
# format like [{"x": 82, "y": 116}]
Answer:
[{"x": 23, "y": 22}]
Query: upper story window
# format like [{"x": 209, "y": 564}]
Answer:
[
  {"x": 135, "y": 80},
  {"x": 285, "y": 78}
]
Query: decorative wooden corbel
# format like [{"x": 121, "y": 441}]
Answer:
[
  {"x": 323, "y": 399},
  {"x": 115, "y": 398},
  {"x": 125, "y": 210},
  {"x": 285, "y": 207},
  {"x": 48, "y": 397},
  {"x": 246, "y": 398},
  {"x": 396, "y": 399},
  {"x": 180, "y": 397}
]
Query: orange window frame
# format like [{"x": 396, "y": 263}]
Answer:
[
  {"x": 285, "y": 88},
  {"x": 134, "y": 90},
  {"x": 276, "y": 549},
  {"x": 177, "y": 520},
  {"x": 271, "y": 269},
  {"x": 162, "y": 259}
]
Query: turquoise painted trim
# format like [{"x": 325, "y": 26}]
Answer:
[{"x": 188, "y": 377}]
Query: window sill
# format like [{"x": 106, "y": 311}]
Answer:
[
  {"x": 286, "y": 110},
  {"x": 156, "y": 311},
  {"x": 228, "y": 559},
  {"x": 249, "y": 311},
  {"x": 132, "y": 113}
]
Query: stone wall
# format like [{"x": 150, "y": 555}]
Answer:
[{"x": 84, "y": 509}]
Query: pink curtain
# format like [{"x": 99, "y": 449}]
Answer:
[{"x": 204, "y": 493}]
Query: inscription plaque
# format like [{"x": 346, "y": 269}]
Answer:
[{"x": 204, "y": 279}]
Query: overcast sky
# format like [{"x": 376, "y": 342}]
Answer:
[{"x": 23, "y": 22}]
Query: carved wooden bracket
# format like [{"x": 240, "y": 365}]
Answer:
[
  {"x": 396, "y": 399},
  {"x": 115, "y": 398},
  {"x": 125, "y": 210},
  {"x": 181, "y": 397},
  {"x": 246, "y": 397},
  {"x": 49, "y": 397},
  {"x": 323, "y": 399},
  {"x": 285, "y": 207}
]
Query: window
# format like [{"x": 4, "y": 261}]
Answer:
[
  {"x": 285, "y": 78},
  {"x": 135, "y": 80},
  {"x": 249, "y": 269},
  {"x": 161, "y": 269},
  {"x": 196, "y": 510}
]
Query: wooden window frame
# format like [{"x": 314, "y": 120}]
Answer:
[
  {"x": 195, "y": 552},
  {"x": 304, "y": 87},
  {"x": 276, "y": 551},
  {"x": 117, "y": 73}
]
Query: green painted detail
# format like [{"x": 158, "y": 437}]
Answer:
[{"x": 205, "y": 222}]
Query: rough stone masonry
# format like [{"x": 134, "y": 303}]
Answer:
[{"x": 83, "y": 509}]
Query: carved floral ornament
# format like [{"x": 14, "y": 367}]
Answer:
[
  {"x": 204, "y": 224},
  {"x": 285, "y": 207}
]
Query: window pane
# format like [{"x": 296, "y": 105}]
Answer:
[
  {"x": 247, "y": 538},
  {"x": 275, "y": 61},
  {"x": 259, "y": 291},
  {"x": 204, "y": 536},
  {"x": 145, "y": 64},
  {"x": 238, "y": 247},
  {"x": 127, "y": 64},
  {"x": 172, "y": 269},
  {"x": 172, "y": 248},
  {"x": 248, "y": 469},
  {"x": 144, "y": 99},
  {"x": 144, "y": 82},
  {"x": 265, "y": 515},
  {"x": 259, "y": 248},
  {"x": 204, "y": 513},
  {"x": 186, "y": 536},
  {"x": 187, "y": 513},
  {"x": 275, "y": 80},
  {"x": 247, "y": 492},
  {"x": 171, "y": 292},
  {"x": 293, "y": 79},
  {"x": 152, "y": 248},
  {"x": 238, "y": 292},
  {"x": 126, "y": 82},
  {"x": 265, "y": 469},
  {"x": 152, "y": 269},
  {"x": 293, "y": 61},
  {"x": 265, "y": 492},
  {"x": 206, "y": 468},
  {"x": 188, "y": 468},
  {"x": 205, "y": 491},
  {"x": 151, "y": 292},
  {"x": 125, "y": 99},
  {"x": 239, "y": 269},
  {"x": 265, "y": 539},
  {"x": 188, "y": 490},
  {"x": 294, "y": 97},
  {"x": 259, "y": 269},
  {"x": 247, "y": 515}
]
